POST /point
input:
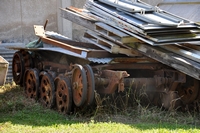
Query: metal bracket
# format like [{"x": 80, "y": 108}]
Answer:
[{"x": 39, "y": 30}]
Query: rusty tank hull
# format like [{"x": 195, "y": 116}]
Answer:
[{"x": 135, "y": 62}]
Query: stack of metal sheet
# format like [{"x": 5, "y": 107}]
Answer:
[
  {"x": 145, "y": 22},
  {"x": 112, "y": 26}
]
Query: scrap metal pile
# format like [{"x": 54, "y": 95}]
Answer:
[
  {"x": 129, "y": 45},
  {"x": 145, "y": 22}
]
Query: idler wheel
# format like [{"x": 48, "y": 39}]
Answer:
[
  {"x": 63, "y": 95},
  {"x": 18, "y": 68},
  {"x": 31, "y": 83},
  {"x": 90, "y": 84},
  {"x": 47, "y": 90},
  {"x": 79, "y": 85}
]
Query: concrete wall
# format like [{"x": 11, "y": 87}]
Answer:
[
  {"x": 77, "y": 30},
  {"x": 17, "y": 18}
]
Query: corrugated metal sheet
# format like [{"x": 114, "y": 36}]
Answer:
[
  {"x": 189, "y": 9},
  {"x": 7, "y": 54},
  {"x": 100, "y": 60}
]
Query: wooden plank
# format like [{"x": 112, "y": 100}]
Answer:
[
  {"x": 184, "y": 51},
  {"x": 78, "y": 19},
  {"x": 173, "y": 60}
]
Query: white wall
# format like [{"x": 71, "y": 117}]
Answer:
[{"x": 17, "y": 18}]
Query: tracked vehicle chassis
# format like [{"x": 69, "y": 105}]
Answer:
[{"x": 65, "y": 82}]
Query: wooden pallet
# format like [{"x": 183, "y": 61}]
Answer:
[{"x": 107, "y": 45}]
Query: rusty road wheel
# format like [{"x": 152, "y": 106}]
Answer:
[
  {"x": 90, "y": 84},
  {"x": 31, "y": 83},
  {"x": 18, "y": 67},
  {"x": 47, "y": 90},
  {"x": 63, "y": 95},
  {"x": 79, "y": 85}
]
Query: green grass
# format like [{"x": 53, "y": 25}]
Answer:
[{"x": 19, "y": 114}]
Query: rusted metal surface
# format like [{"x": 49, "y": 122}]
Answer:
[{"x": 112, "y": 81}]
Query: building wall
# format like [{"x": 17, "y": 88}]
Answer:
[{"x": 17, "y": 18}]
